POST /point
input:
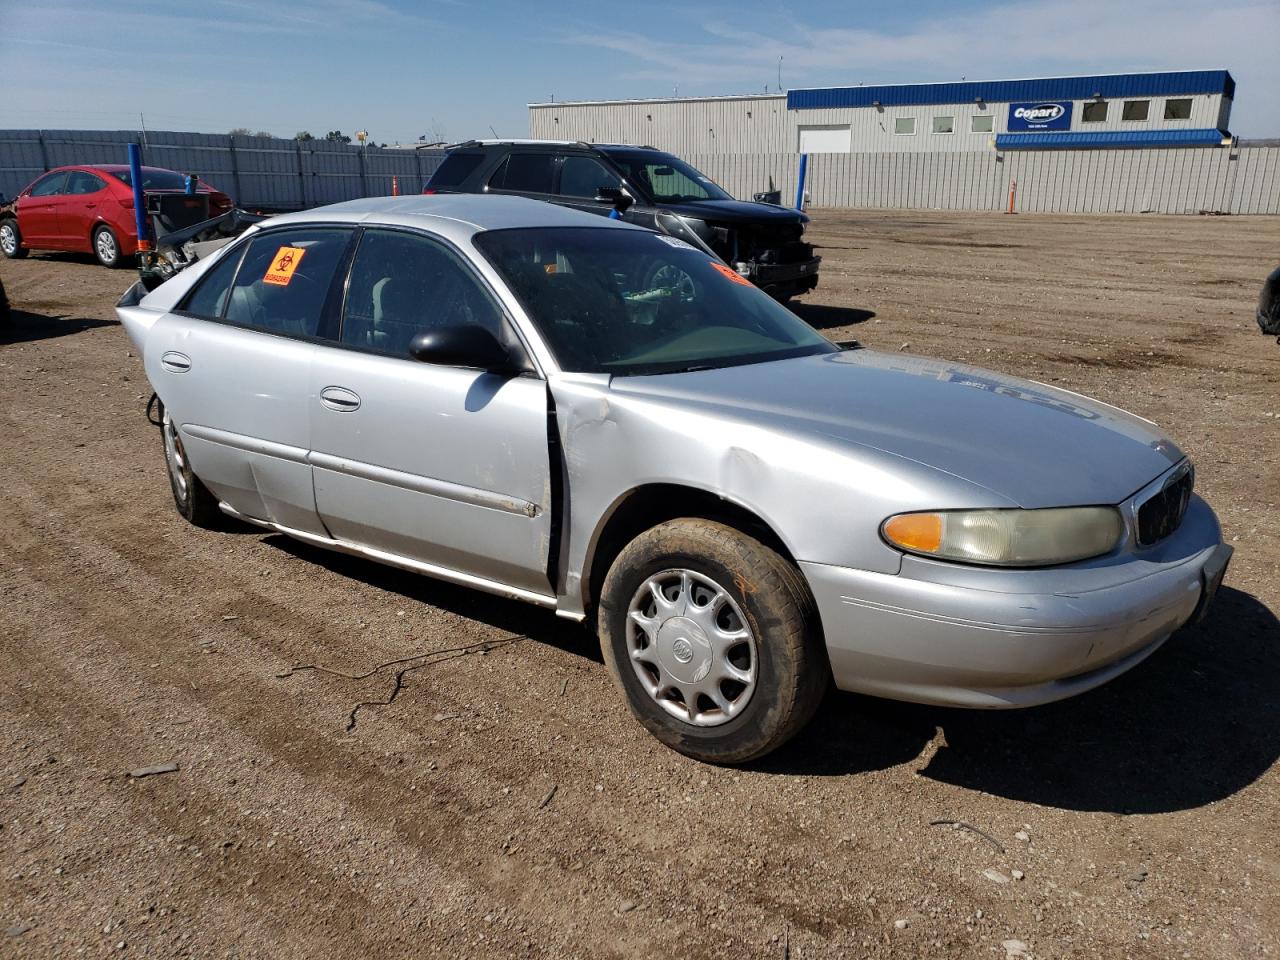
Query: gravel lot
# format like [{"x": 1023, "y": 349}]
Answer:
[{"x": 1136, "y": 821}]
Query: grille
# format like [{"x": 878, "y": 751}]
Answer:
[{"x": 1162, "y": 514}]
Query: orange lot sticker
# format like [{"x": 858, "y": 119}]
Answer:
[
  {"x": 283, "y": 264},
  {"x": 732, "y": 274}
]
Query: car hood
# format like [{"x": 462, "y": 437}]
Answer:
[
  {"x": 736, "y": 212},
  {"x": 1034, "y": 445}
]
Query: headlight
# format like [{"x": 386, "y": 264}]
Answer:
[{"x": 1008, "y": 538}]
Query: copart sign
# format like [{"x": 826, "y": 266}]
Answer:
[{"x": 1040, "y": 116}]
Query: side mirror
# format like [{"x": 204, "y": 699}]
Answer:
[
  {"x": 465, "y": 345},
  {"x": 620, "y": 199}
]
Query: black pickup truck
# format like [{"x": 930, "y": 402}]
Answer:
[{"x": 761, "y": 241}]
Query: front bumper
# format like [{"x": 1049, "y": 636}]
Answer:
[
  {"x": 963, "y": 636},
  {"x": 782, "y": 277}
]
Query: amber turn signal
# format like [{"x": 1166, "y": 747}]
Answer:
[{"x": 920, "y": 532}]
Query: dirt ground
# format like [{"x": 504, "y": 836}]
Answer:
[{"x": 1136, "y": 821}]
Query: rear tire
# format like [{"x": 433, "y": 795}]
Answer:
[
  {"x": 192, "y": 498},
  {"x": 11, "y": 239},
  {"x": 106, "y": 247},
  {"x": 732, "y": 664}
]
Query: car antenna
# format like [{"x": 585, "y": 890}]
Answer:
[{"x": 494, "y": 132}]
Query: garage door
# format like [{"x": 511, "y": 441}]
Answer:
[{"x": 824, "y": 139}]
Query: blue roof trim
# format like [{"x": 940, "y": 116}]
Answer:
[
  {"x": 1111, "y": 138},
  {"x": 1111, "y": 86}
]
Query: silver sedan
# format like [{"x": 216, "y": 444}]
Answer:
[{"x": 607, "y": 422}]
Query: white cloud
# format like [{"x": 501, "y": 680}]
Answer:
[{"x": 1014, "y": 39}]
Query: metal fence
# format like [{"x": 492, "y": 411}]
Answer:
[
  {"x": 1236, "y": 180},
  {"x": 256, "y": 172},
  {"x": 270, "y": 174}
]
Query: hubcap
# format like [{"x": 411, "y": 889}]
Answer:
[
  {"x": 8, "y": 240},
  {"x": 691, "y": 648},
  {"x": 106, "y": 245},
  {"x": 173, "y": 455}
]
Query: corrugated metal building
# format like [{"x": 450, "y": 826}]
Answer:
[{"x": 1173, "y": 109}]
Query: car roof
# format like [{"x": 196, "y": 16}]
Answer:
[
  {"x": 106, "y": 167},
  {"x": 478, "y": 210}
]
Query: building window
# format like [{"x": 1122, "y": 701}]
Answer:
[
  {"x": 1177, "y": 109},
  {"x": 905, "y": 125},
  {"x": 980, "y": 123},
  {"x": 1136, "y": 109},
  {"x": 944, "y": 124},
  {"x": 1095, "y": 111}
]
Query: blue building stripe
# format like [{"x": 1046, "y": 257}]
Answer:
[
  {"x": 1110, "y": 86},
  {"x": 1109, "y": 138}
]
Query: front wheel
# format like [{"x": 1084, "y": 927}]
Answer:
[
  {"x": 107, "y": 248},
  {"x": 714, "y": 639},
  {"x": 190, "y": 496},
  {"x": 11, "y": 240}
]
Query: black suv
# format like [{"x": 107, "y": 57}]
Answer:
[{"x": 643, "y": 185}]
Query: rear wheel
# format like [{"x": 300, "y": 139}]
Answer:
[
  {"x": 714, "y": 639},
  {"x": 190, "y": 496},
  {"x": 11, "y": 239},
  {"x": 107, "y": 248}
]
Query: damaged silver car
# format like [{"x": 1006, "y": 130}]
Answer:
[{"x": 607, "y": 422}]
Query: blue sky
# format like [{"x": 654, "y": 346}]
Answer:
[{"x": 453, "y": 68}]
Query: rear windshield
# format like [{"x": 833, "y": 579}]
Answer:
[
  {"x": 153, "y": 179},
  {"x": 632, "y": 302},
  {"x": 455, "y": 169}
]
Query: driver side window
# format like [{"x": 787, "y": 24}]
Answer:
[
  {"x": 403, "y": 284},
  {"x": 50, "y": 185}
]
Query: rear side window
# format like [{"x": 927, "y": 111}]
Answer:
[
  {"x": 49, "y": 185},
  {"x": 78, "y": 181},
  {"x": 210, "y": 296},
  {"x": 284, "y": 280},
  {"x": 455, "y": 169},
  {"x": 525, "y": 173},
  {"x": 154, "y": 178}
]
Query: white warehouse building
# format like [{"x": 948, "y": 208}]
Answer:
[
  {"x": 1178, "y": 109},
  {"x": 1130, "y": 142}
]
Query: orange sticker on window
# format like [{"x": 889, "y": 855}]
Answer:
[
  {"x": 280, "y": 270},
  {"x": 733, "y": 275}
]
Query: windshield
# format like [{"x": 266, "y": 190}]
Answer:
[
  {"x": 154, "y": 178},
  {"x": 668, "y": 179},
  {"x": 631, "y": 302}
]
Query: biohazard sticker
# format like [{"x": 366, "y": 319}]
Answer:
[
  {"x": 732, "y": 274},
  {"x": 283, "y": 264}
]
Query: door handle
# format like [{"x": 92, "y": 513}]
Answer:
[
  {"x": 340, "y": 399},
  {"x": 175, "y": 362}
]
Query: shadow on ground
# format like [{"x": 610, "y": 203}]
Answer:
[
  {"x": 24, "y": 326},
  {"x": 511, "y": 616},
  {"x": 822, "y": 317},
  {"x": 1195, "y": 723}
]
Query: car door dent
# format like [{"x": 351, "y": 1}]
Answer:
[
  {"x": 267, "y": 448},
  {"x": 428, "y": 485}
]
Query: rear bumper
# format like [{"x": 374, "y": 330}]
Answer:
[{"x": 1014, "y": 640}]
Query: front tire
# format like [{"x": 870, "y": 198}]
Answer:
[
  {"x": 106, "y": 247},
  {"x": 714, "y": 639},
  {"x": 11, "y": 239},
  {"x": 192, "y": 498}
]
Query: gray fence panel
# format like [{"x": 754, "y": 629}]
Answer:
[
  {"x": 257, "y": 172},
  {"x": 267, "y": 173}
]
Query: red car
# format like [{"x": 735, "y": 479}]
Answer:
[{"x": 88, "y": 209}]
